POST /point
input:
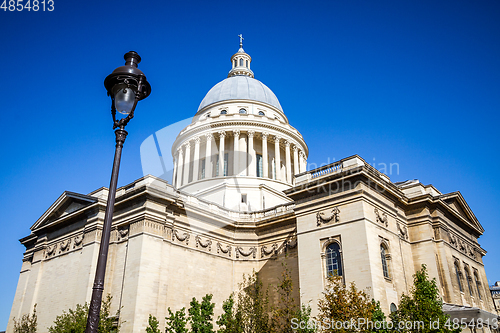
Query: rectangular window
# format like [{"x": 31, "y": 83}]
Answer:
[
  {"x": 225, "y": 163},
  {"x": 260, "y": 169},
  {"x": 243, "y": 198},
  {"x": 202, "y": 173},
  {"x": 273, "y": 167}
]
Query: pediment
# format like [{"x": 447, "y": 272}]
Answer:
[
  {"x": 458, "y": 204},
  {"x": 66, "y": 204}
]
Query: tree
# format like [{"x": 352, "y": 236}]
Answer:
[
  {"x": 302, "y": 322},
  {"x": 229, "y": 321},
  {"x": 27, "y": 323},
  {"x": 201, "y": 314},
  {"x": 75, "y": 321},
  {"x": 253, "y": 305},
  {"x": 344, "y": 309},
  {"x": 422, "y": 308},
  {"x": 153, "y": 325},
  {"x": 176, "y": 322},
  {"x": 286, "y": 308}
]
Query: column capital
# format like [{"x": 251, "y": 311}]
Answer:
[
  {"x": 196, "y": 140},
  {"x": 187, "y": 144},
  {"x": 265, "y": 135},
  {"x": 277, "y": 138},
  {"x": 236, "y": 132},
  {"x": 179, "y": 150},
  {"x": 251, "y": 134},
  {"x": 209, "y": 136},
  {"x": 287, "y": 144},
  {"x": 222, "y": 134},
  {"x": 295, "y": 148}
]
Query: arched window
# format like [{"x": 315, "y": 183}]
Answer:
[
  {"x": 241, "y": 62},
  {"x": 333, "y": 260},
  {"x": 235, "y": 63},
  {"x": 243, "y": 111},
  {"x": 383, "y": 256},
  {"x": 223, "y": 112},
  {"x": 457, "y": 272},
  {"x": 247, "y": 63},
  {"x": 468, "y": 278},
  {"x": 261, "y": 113},
  {"x": 393, "y": 308},
  {"x": 478, "y": 285}
]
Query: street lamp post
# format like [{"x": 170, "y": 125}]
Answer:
[{"x": 126, "y": 86}]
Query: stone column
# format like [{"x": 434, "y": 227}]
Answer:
[
  {"x": 303, "y": 164},
  {"x": 236, "y": 152},
  {"x": 295, "y": 159},
  {"x": 208, "y": 156},
  {"x": 277, "y": 159},
  {"x": 252, "y": 165},
  {"x": 178, "y": 172},
  {"x": 265, "y": 161},
  {"x": 222, "y": 135},
  {"x": 196, "y": 159},
  {"x": 187, "y": 163},
  {"x": 288, "y": 163}
]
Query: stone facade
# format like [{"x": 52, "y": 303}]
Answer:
[{"x": 219, "y": 221}]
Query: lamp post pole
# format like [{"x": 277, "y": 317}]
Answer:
[{"x": 126, "y": 86}]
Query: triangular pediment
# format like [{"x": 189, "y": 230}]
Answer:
[
  {"x": 68, "y": 203},
  {"x": 458, "y": 204}
]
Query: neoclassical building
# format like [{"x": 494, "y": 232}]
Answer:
[{"x": 242, "y": 200}]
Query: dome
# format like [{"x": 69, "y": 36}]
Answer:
[{"x": 240, "y": 87}]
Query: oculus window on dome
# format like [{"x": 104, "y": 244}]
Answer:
[
  {"x": 223, "y": 112},
  {"x": 243, "y": 111}
]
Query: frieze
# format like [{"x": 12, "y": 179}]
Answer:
[
  {"x": 328, "y": 216},
  {"x": 226, "y": 250},
  {"x": 381, "y": 217},
  {"x": 403, "y": 231},
  {"x": 78, "y": 241},
  {"x": 64, "y": 245},
  {"x": 123, "y": 233},
  {"x": 181, "y": 238},
  {"x": 462, "y": 245},
  {"x": 51, "y": 249},
  {"x": 251, "y": 251},
  {"x": 265, "y": 252},
  {"x": 206, "y": 244}
]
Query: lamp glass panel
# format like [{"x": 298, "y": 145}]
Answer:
[{"x": 124, "y": 100}]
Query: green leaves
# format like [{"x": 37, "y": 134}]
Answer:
[
  {"x": 423, "y": 306},
  {"x": 75, "y": 321},
  {"x": 176, "y": 322},
  {"x": 200, "y": 315},
  {"x": 27, "y": 323}
]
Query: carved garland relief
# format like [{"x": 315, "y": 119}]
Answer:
[
  {"x": 462, "y": 245},
  {"x": 328, "y": 216},
  {"x": 381, "y": 217}
]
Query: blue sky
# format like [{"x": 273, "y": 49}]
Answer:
[{"x": 410, "y": 82}]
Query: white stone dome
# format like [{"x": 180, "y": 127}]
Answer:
[{"x": 240, "y": 87}]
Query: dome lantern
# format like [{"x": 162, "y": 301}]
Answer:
[{"x": 240, "y": 62}]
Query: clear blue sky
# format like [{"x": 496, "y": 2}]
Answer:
[{"x": 410, "y": 82}]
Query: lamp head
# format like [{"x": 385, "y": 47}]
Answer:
[{"x": 127, "y": 85}]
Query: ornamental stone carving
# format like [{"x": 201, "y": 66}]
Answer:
[
  {"x": 51, "y": 249},
  {"x": 206, "y": 244},
  {"x": 236, "y": 132},
  {"x": 226, "y": 250},
  {"x": 209, "y": 136},
  {"x": 403, "y": 231},
  {"x": 122, "y": 233},
  {"x": 251, "y": 134},
  {"x": 251, "y": 251},
  {"x": 222, "y": 134},
  {"x": 78, "y": 241},
  {"x": 64, "y": 245},
  {"x": 181, "y": 238},
  {"x": 264, "y": 135},
  {"x": 381, "y": 217},
  {"x": 327, "y": 216},
  {"x": 265, "y": 252}
]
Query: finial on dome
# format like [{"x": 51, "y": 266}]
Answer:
[
  {"x": 241, "y": 40},
  {"x": 241, "y": 62}
]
